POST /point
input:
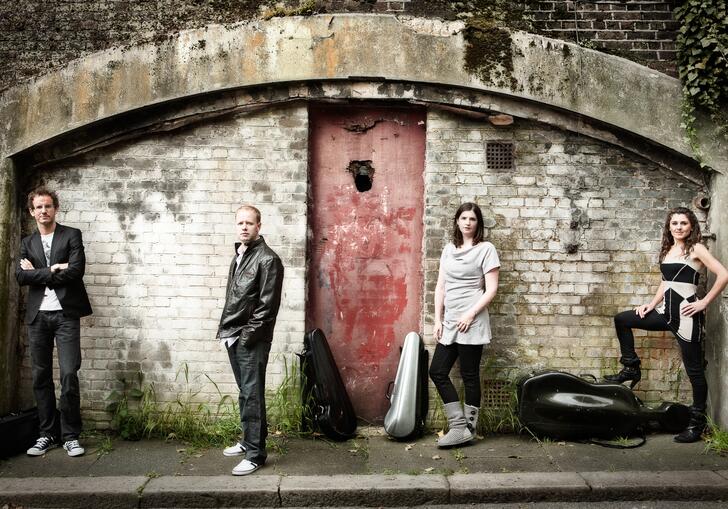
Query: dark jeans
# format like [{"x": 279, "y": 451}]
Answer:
[
  {"x": 47, "y": 326},
  {"x": 249, "y": 366},
  {"x": 442, "y": 362},
  {"x": 691, "y": 351}
]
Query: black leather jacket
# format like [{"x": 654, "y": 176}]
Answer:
[{"x": 253, "y": 295}]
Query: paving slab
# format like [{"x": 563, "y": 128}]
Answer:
[
  {"x": 658, "y": 454},
  {"x": 364, "y": 490},
  {"x": 644, "y": 485},
  {"x": 504, "y": 453},
  {"x": 212, "y": 491},
  {"x": 318, "y": 456},
  {"x": 418, "y": 456},
  {"x": 522, "y": 487},
  {"x": 72, "y": 492},
  {"x": 663, "y": 453}
]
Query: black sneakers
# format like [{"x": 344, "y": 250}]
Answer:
[
  {"x": 73, "y": 448},
  {"x": 42, "y": 445}
]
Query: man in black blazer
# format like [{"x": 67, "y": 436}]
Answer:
[{"x": 52, "y": 264}]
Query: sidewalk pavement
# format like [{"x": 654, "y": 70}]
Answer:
[{"x": 370, "y": 470}]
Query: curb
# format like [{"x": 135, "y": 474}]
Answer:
[
  {"x": 360, "y": 490},
  {"x": 81, "y": 492}
]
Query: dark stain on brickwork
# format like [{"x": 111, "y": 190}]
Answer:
[
  {"x": 579, "y": 216},
  {"x": 131, "y": 199},
  {"x": 162, "y": 355}
]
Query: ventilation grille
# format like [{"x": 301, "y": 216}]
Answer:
[
  {"x": 499, "y": 156},
  {"x": 497, "y": 393}
]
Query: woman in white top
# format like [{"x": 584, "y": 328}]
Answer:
[
  {"x": 677, "y": 308},
  {"x": 466, "y": 284}
]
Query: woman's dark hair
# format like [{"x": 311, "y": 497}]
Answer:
[
  {"x": 692, "y": 239},
  {"x": 457, "y": 236}
]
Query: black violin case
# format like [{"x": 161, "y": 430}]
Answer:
[
  {"x": 566, "y": 407},
  {"x": 326, "y": 403}
]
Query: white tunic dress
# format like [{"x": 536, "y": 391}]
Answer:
[{"x": 464, "y": 271}]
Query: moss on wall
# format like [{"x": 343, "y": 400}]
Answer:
[
  {"x": 9, "y": 366},
  {"x": 489, "y": 54}
]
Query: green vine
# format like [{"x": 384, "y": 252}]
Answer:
[{"x": 702, "y": 57}]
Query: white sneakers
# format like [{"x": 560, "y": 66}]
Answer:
[
  {"x": 73, "y": 448},
  {"x": 44, "y": 444},
  {"x": 234, "y": 450},
  {"x": 245, "y": 467}
]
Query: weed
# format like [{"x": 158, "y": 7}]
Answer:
[
  {"x": 500, "y": 414},
  {"x": 286, "y": 411},
  {"x": 137, "y": 414},
  {"x": 458, "y": 454},
  {"x": 437, "y": 416},
  {"x": 276, "y": 444},
  {"x": 360, "y": 449},
  {"x": 152, "y": 474},
  {"x": 718, "y": 439},
  {"x": 105, "y": 446}
]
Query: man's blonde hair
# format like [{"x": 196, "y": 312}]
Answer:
[{"x": 250, "y": 207}]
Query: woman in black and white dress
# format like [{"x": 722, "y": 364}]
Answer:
[{"x": 677, "y": 308}]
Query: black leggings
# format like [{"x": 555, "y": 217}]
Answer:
[
  {"x": 442, "y": 362},
  {"x": 691, "y": 351}
]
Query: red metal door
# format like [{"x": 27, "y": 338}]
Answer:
[{"x": 365, "y": 251}]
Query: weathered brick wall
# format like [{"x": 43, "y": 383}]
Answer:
[
  {"x": 157, "y": 220},
  {"x": 157, "y": 216},
  {"x": 554, "y": 308},
  {"x": 40, "y": 35}
]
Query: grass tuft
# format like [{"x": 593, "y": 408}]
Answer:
[
  {"x": 717, "y": 441},
  {"x": 137, "y": 414}
]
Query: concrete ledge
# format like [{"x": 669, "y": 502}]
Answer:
[
  {"x": 675, "y": 485},
  {"x": 72, "y": 492},
  {"x": 364, "y": 490},
  {"x": 212, "y": 491},
  {"x": 329, "y": 47},
  {"x": 521, "y": 487}
]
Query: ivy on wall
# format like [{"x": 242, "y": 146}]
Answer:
[{"x": 702, "y": 55}]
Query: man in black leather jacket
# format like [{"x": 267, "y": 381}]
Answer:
[{"x": 252, "y": 300}]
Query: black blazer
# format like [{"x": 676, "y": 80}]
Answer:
[{"x": 67, "y": 247}]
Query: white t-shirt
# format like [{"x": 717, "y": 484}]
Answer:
[
  {"x": 464, "y": 271},
  {"x": 50, "y": 299}
]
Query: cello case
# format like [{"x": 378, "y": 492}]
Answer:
[
  {"x": 409, "y": 397},
  {"x": 563, "y": 406},
  {"x": 18, "y": 431},
  {"x": 324, "y": 394}
]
